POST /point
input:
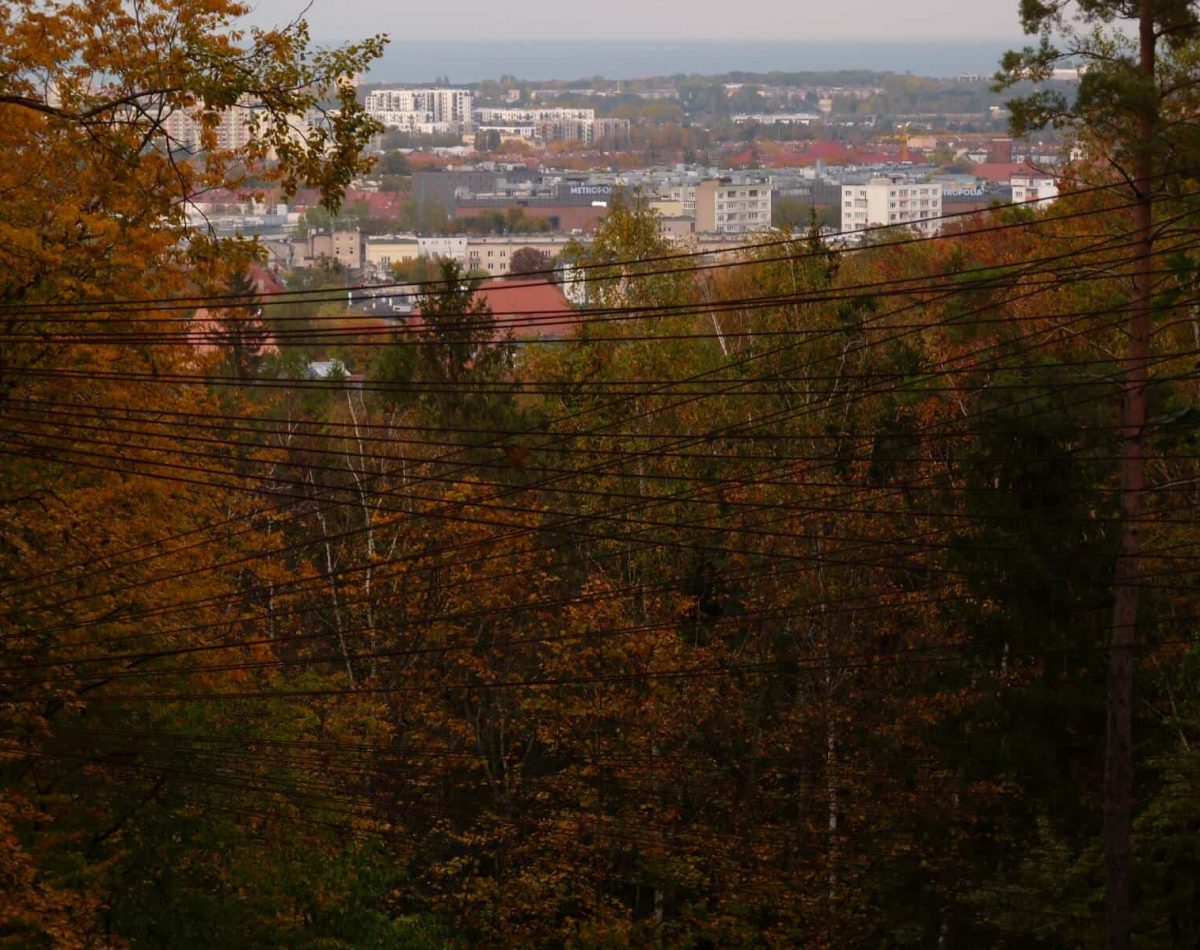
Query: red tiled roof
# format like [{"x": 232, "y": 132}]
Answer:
[
  {"x": 538, "y": 305},
  {"x": 264, "y": 280},
  {"x": 529, "y": 307}
]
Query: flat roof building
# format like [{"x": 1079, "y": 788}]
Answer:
[{"x": 892, "y": 202}]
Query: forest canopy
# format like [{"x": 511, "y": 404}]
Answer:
[{"x": 763, "y": 599}]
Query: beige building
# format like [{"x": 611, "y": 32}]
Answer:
[
  {"x": 555, "y": 124},
  {"x": 347, "y": 248},
  {"x": 733, "y": 206},
  {"x": 494, "y": 254},
  {"x": 671, "y": 208},
  {"x": 383, "y": 252}
]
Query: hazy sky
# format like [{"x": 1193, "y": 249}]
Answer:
[{"x": 795, "y": 20}]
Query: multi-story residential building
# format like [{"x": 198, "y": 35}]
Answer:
[
  {"x": 421, "y": 110},
  {"x": 1038, "y": 189},
  {"x": 556, "y": 124},
  {"x": 616, "y": 130},
  {"x": 733, "y": 206},
  {"x": 235, "y": 129},
  {"x": 492, "y": 254},
  {"x": 892, "y": 202},
  {"x": 685, "y": 195}
]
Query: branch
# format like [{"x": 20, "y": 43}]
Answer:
[{"x": 37, "y": 105}]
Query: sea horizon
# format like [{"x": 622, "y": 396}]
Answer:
[{"x": 466, "y": 62}]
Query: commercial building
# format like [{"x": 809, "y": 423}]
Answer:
[
  {"x": 443, "y": 188},
  {"x": 891, "y": 202},
  {"x": 733, "y": 206}
]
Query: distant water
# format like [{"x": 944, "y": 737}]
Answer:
[{"x": 468, "y": 62}]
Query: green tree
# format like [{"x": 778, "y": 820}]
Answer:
[
  {"x": 464, "y": 361},
  {"x": 238, "y": 328}
]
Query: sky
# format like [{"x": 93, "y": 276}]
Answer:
[{"x": 737, "y": 20}]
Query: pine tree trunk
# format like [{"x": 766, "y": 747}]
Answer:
[{"x": 1118, "y": 764}]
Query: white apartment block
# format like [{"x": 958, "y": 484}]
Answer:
[
  {"x": 729, "y": 206},
  {"x": 421, "y": 110},
  {"x": 554, "y": 125},
  {"x": 1039, "y": 190},
  {"x": 891, "y": 202}
]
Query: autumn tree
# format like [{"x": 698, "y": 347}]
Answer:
[
  {"x": 112, "y": 114},
  {"x": 529, "y": 260}
]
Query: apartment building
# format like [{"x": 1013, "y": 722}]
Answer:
[
  {"x": 732, "y": 206},
  {"x": 1039, "y": 189},
  {"x": 452, "y": 247},
  {"x": 685, "y": 195},
  {"x": 891, "y": 202},
  {"x": 235, "y": 130},
  {"x": 421, "y": 110},
  {"x": 554, "y": 125}
]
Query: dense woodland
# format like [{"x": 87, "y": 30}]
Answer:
[{"x": 770, "y": 606}]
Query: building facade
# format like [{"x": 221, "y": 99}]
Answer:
[
  {"x": 421, "y": 110},
  {"x": 892, "y": 202},
  {"x": 554, "y": 124},
  {"x": 730, "y": 206},
  {"x": 347, "y": 248},
  {"x": 1036, "y": 189}
]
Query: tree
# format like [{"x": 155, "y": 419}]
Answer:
[
  {"x": 463, "y": 362},
  {"x": 394, "y": 163},
  {"x": 529, "y": 260},
  {"x": 1121, "y": 103},
  {"x": 238, "y": 328}
]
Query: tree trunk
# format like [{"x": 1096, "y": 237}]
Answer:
[{"x": 1118, "y": 762}]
